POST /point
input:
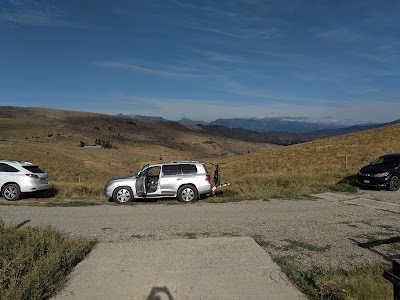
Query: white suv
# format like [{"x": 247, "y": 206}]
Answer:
[
  {"x": 18, "y": 177},
  {"x": 187, "y": 180}
]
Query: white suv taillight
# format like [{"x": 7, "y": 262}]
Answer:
[
  {"x": 32, "y": 176},
  {"x": 208, "y": 177}
]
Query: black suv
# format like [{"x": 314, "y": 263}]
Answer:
[{"x": 382, "y": 172}]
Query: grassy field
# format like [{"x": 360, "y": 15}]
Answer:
[
  {"x": 35, "y": 262},
  {"x": 324, "y": 165}
]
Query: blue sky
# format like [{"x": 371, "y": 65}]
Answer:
[{"x": 330, "y": 61}]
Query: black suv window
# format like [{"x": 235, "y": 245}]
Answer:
[
  {"x": 189, "y": 169},
  {"x": 33, "y": 169},
  {"x": 170, "y": 170},
  {"x": 7, "y": 168}
]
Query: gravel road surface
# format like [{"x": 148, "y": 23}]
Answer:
[{"x": 337, "y": 229}]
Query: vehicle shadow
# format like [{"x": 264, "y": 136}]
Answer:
[
  {"x": 346, "y": 184},
  {"x": 371, "y": 244},
  {"x": 149, "y": 200},
  {"x": 351, "y": 181},
  {"x": 50, "y": 193}
]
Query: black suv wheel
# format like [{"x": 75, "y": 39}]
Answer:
[{"x": 394, "y": 183}]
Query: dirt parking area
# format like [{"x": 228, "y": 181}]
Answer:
[{"x": 341, "y": 230}]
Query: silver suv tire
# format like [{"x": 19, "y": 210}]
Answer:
[
  {"x": 123, "y": 194},
  {"x": 187, "y": 193}
]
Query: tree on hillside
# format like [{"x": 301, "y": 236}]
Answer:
[{"x": 104, "y": 144}]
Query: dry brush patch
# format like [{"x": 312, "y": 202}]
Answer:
[{"x": 34, "y": 262}]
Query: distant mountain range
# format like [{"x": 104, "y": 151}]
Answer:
[
  {"x": 140, "y": 117},
  {"x": 275, "y": 125},
  {"x": 210, "y": 139},
  {"x": 154, "y": 118}
]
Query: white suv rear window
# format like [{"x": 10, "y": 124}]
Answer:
[{"x": 33, "y": 169}]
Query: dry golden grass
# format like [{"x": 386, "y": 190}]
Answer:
[
  {"x": 41, "y": 124},
  {"x": 77, "y": 172},
  {"x": 310, "y": 167},
  {"x": 34, "y": 262}
]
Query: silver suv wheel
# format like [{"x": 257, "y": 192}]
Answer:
[
  {"x": 187, "y": 193},
  {"x": 123, "y": 195}
]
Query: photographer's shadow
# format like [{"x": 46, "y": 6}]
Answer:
[{"x": 159, "y": 293}]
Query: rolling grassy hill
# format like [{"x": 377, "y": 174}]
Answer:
[
  {"x": 310, "y": 167},
  {"x": 49, "y": 125},
  {"x": 51, "y": 139}
]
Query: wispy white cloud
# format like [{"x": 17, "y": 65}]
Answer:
[
  {"x": 163, "y": 71},
  {"x": 220, "y": 56},
  {"x": 365, "y": 90},
  {"x": 237, "y": 31},
  {"x": 341, "y": 34},
  {"x": 25, "y": 13},
  {"x": 25, "y": 17},
  {"x": 235, "y": 88},
  {"x": 385, "y": 53},
  {"x": 238, "y": 19},
  {"x": 39, "y": 13}
]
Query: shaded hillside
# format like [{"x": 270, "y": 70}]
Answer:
[
  {"x": 275, "y": 124},
  {"x": 340, "y": 131},
  {"x": 287, "y": 138},
  {"x": 278, "y": 138}
]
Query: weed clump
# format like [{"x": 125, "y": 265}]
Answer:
[
  {"x": 34, "y": 262},
  {"x": 358, "y": 283}
]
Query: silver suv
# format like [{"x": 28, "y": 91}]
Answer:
[
  {"x": 18, "y": 177},
  {"x": 187, "y": 180}
]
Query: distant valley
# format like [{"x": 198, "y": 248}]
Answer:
[
  {"x": 284, "y": 124},
  {"x": 278, "y": 131}
]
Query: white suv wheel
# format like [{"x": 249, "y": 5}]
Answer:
[{"x": 11, "y": 192}]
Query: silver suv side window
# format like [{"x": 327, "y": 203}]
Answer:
[
  {"x": 170, "y": 170},
  {"x": 186, "y": 169},
  {"x": 189, "y": 169},
  {"x": 7, "y": 168}
]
